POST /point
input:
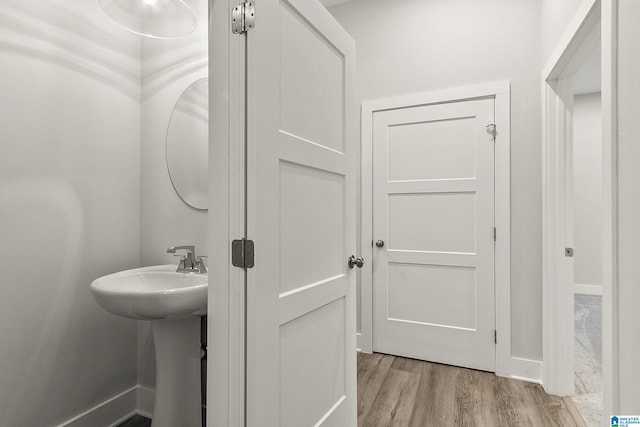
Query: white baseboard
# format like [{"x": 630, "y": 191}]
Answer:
[
  {"x": 146, "y": 397},
  {"x": 108, "y": 413},
  {"x": 513, "y": 367},
  {"x": 115, "y": 410},
  {"x": 363, "y": 343},
  {"x": 523, "y": 370},
  {"x": 583, "y": 289}
]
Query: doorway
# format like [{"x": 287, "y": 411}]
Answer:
[
  {"x": 584, "y": 193},
  {"x": 437, "y": 287},
  {"x": 433, "y": 226},
  {"x": 563, "y": 220}
]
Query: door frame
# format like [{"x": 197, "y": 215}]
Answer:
[
  {"x": 506, "y": 365},
  {"x": 226, "y": 295},
  {"x": 558, "y": 313},
  {"x": 595, "y": 19}
]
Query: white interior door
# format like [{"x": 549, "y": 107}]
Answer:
[
  {"x": 433, "y": 207},
  {"x": 301, "y": 330}
]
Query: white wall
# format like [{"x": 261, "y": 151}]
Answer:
[
  {"x": 556, "y": 16},
  {"x": 69, "y": 207},
  {"x": 435, "y": 44},
  {"x": 629, "y": 206},
  {"x": 587, "y": 189},
  {"x": 168, "y": 68}
]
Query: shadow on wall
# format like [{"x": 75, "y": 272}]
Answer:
[
  {"x": 172, "y": 62},
  {"x": 77, "y": 38},
  {"x": 166, "y": 62},
  {"x": 81, "y": 38},
  {"x": 40, "y": 285},
  {"x": 69, "y": 206}
]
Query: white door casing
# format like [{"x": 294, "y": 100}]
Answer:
[
  {"x": 433, "y": 206},
  {"x": 301, "y": 154},
  {"x": 594, "y": 21},
  {"x": 507, "y": 364}
]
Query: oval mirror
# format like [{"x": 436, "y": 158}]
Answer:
[{"x": 188, "y": 145}]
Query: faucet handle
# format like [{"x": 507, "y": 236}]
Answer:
[
  {"x": 189, "y": 248},
  {"x": 199, "y": 264}
]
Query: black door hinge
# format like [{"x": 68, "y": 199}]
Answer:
[{"x": 242, "y": 253}]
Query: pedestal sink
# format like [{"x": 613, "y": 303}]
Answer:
[{"x": 172, "y": 302}]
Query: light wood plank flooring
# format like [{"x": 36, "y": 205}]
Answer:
[{"x": 395, "y": 391}]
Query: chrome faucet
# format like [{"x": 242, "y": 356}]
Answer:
[{"x": 189, "y": 263}]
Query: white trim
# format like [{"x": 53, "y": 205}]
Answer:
[
  {"x": 610, "y": 372},
  {"x": 525, "y": 370},
  {"x": 359, "y": 343},
  {"x": 558, "y": 289},
  {"x": 114, "y": 410},
  {"x": 557, "y": 269},
  {"x": 436, "y": 96},
  {"x": 506, "y": 364},
  {"x": 365, "y": 337},
  {"x": 570, "y": 54},
  {"x": 145, "y": 398},
  {"x": 585, "y": 289},
  {"x": 225, "y": 373}
]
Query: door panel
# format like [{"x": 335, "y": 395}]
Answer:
[
  {"x": 311, "y": 90},
  {"x": 327, "y": 233},
  {"x": 452, "y": 139},
  {"x": 433, "y": 204},
  {"x": 446, "y": 222},
  {"x": 320, "y": 336},
  {"x": 432, "y": 302},
  {"x": 301, "y": 215}
]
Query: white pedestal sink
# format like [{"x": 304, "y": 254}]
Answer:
[{"x": 172, "y": 301}]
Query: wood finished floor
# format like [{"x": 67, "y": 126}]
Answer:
[
  {"x": 394, "y": 391},
  {"x": 399, "y": 392}
]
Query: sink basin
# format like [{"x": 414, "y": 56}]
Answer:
[
  {"x": 173, "y": 303},
  {"x": 150, "y": 293}
]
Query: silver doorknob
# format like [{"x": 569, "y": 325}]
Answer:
[
  {"x": 355, "y": 261},
  {"x": 380, "y": 243}
]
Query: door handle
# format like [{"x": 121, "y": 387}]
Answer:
[
  {"x": 354, "y": 261},
  {"x": 380, "y": 243}
]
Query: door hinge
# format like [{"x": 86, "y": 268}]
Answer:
[
  {"x": 495, "y": 234},
  {"x": 243, "y": 17},
  {"x": 242, "y": 253},
  {"x": 492, "y": 130},
  {"x": 495, "y": 336}
]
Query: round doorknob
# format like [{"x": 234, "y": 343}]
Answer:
[
  {"x": 354, "y": 261},
  {"x": 380, "y": 243}
]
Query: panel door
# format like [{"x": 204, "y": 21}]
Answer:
[
  {"x": 433, "y": 207},
  {"x": 302, "y": 141}
]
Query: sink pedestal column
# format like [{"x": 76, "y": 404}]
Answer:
[{"x": 177, "y": 348}]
